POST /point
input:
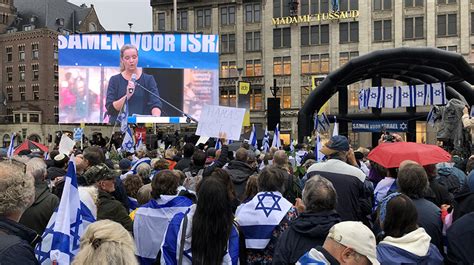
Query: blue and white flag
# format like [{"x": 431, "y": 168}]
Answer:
[
  {"x": 46, "y": 156},
  {"x": 421, "y": 95},
  {"x": 438, "y": 94},
  {"x": 139, "y": 141},
  {"x": 431, "y": 118},
  {"x": 11, "y": 147},
  {"x": 218, "y": 144},
  {"x": 376, "y": 97},
  {"x": 391, "y": 98},
  {"x": 260, "y": 216},
  {"x": 335, "y": 130},
  {"x": 172, "y": 242},
  {"x": 151, "y": 221},
  {"x": 276, "y": 138},
  {"x": 266, "y": 141},
  {"x": 128, "y": 143},
  {"x": 363, "y": 99},
  {"x": 292, "y": 145},
  {"x": 407, "y": 96},
  {"x": 122, "y": 118},
  {"x": 139, "y": 162},
  {"x": 61, "y": 238},
  {"x": 253, "y": 137},
  {"x": 317, "y": 149},
  {"x": 321, "y": 122}
]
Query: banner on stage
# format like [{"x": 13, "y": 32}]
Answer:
[
  {"x": 182, "y": 68},
  {"x": 216, "y": 119},
  {"x": 379, "y": 125}
]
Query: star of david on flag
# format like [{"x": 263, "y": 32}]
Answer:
[
  {"x": 276, "y": 138},
  {"x": 123, "y": 116},
  {"x": 128, "y": 142},
  {"x": 267, "y": 209},
  {"x": 266, "y": 141}
]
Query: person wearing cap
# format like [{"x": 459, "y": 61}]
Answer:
[
  {"x": 109, "y": 208},
  {"x": 354, "y": 202},
  {"x": 346, "y": 243}
]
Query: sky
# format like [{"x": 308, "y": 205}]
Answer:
[{"x": 114, "y": 15}]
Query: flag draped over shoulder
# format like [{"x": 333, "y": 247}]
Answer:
[
  {"x": 150, "y": 224},
  {"x": 61, "y": 238},
  {"x": 260, "y": 216}
]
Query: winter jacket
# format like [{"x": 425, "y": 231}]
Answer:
[
  {"x": 429, "y": 217},
  {"x": 183, "y": 163},
  {"x": 239, "y": 174},
  {"x": 461, "y": 241},
  {"x": 110, "y": 208},
  {"x": 218, "y": 163},
  {"x": 319, "y": 256},
  {"x": 307, "y": 231},
  {"x": 37, "y": 216},
  {"x": 463, "y": 203},
  {"x": 17, "y": 243},
  {"x": 412, "y": 248},
  {"x": 54, "y": 172},
  {"x": 438, "y": 194}
]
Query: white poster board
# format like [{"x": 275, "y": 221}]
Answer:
[
  {"x": 66, "y": 145},
  {"x": 216, "y": 119}
]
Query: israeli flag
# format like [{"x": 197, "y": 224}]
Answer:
[
  {"x": 431, "y": 118},
  {"x": 139, "y": 141},
  {"x": 421, "y": 95},
  {"x": 151, "y": 221},
  {"x": 292, "y": 145},
  {"x": 170, "y": 249},
  {"x": 363, "y": 99},
  {"x": 11, "y": 147},
  {"x": 335, "y": 130},
  {"x": 276, "y": 138},
  {"x": 61, "y": 238},
  {"x": 407, "y": 96},
  {"x": 260, "y": 216},
  {"x": 438, "y": 94},
  {"x": 266, "y": 141},
  {"x": 317, "y": 152},
  {"x": 391, "y": 98},
  {"x": 218, "y": 144},
  {"x": 376, "y": 97},
  {"x": 122, "y": 118},
  {"x": 128, "y": 142},
  {"x": 139, "y": 162},
  {"x": 324, "y": 121},
  {"x": 253, "y": 137}
]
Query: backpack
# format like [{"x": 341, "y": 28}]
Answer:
[{"x": 192, "y": 179}]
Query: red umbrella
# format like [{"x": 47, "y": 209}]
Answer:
[
  {"x": 32, "y": 146},
  {"x": 390, "y": 155}
]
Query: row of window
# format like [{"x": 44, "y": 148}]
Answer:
[
  {"x": 22, "y": 92},
  {"x": 22, "y": 52},
  {"x": 227, "y": 15},
  {"x": 21, "y": 72}
]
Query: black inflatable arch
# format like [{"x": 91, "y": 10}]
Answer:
[{"x": 409, "y": 65}]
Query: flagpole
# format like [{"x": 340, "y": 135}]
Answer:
[{"x": 115, "y": 124}]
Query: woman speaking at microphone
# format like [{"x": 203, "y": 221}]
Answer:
[{"x": 123, "y": 87}]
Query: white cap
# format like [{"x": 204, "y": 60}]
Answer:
[{"x": 357, "y": 236}]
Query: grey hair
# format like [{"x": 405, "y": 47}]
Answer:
[
  {"x": 319, "y": 195},
  {"x": 142, "y": 148},
  {"x": 36, "y": 167},
  {"x": 17, "y": 190},
  {"x": 144, "y": 170},
  {"x": 106, "y": 242}
]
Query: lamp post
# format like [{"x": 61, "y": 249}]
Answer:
[
  {"x": 239, "y": 71},
  {"x": 130, "y": 24},
  {"x": 274, "y": 89}
]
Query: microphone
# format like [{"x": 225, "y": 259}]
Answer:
[{"x": 134, "y": 80}]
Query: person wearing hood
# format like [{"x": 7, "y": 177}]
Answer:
[
  {"x": 404, "y": 242},
  {"x": 312, "y": 226},
  {"x": 240, "y": 171},
  {"x": 38, "y": 214}
]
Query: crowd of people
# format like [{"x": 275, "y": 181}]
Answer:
[{"x": 199, "y": 205}]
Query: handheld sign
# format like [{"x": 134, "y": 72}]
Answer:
[{"x": 216, "y": 119}]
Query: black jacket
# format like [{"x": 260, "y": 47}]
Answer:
[
  {"x": 306, "y": 232},
  {"x": 463, "y": 202},
  {"x": 460, "y": 241},
  {"x": 54, "y": 172},
  {"x": 218, "y": 163},
  {"x": 183, "y": 163},
  {"x": 37, "y": 216},
  {"x": 239, "y": 174},
  {"x": 429, "y": 217},
  {"x": 110, "y": 208},
  {"x": 17, "y": 243},
  {"x": 438, "y": 194}
]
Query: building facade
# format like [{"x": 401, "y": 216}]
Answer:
[
  {"x": 29, "y": 63},
  {"x": 298, "y": 42}
]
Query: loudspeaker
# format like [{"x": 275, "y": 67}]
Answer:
[{"x": 273, "y": 113}]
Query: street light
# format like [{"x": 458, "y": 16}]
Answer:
[
  {"x": 130, "y": 24},
  {"x": 274, "y": 89}
]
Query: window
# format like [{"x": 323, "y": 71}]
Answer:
[
  {"x": 227, "y": 97},
  {"x": 56, "y": 69},
  {"x": 35, "y": 50},
  {"x": 56, "y": 114},
  {"x": 161, "y": 21},
  {"x": 305, "y": 90},
  {"x": 9, "y": 117},
  {"x": 21, "y": 52},
  {"x": 228, "y": 15},
  {"x": 252, "y": 41},
  {"x": 56, "y": 92},
  {"x": 383, "y": 30},
  {"x": 413, "y": 3},
  {"x": 421, "y": 132},
  {"x": 17, "y": 118},
  {"x": 182, "y": 19},
  {"x": 92, "y": 27},
  {"x": 285, "y": 94},
  {"x": 9, "y": 51},
  {"x": 55, "y": 53},
  {"x": 319, "y": 6},
  {"x": 414, "y": 28},
  {"x": 9, "y": 93},
  {"x": 22, "y": 90},
  {"x": 9, "y": 71},
  {"x": 252, "y": 13},
  {"x": 256, "y": 98},
  {"x": 34, "y": 117},
  {"x": 253, "y": 68},
  {"x": 346, "y": 5},
  {"x": 35, "y": 89},
  {"x": 447, "y": 25},
  {"x": 28, "y": 27},
  {"x": 315, "y": 64},
  {"x": 281, "y": 8},
  {"x": 445, "y": 2},
  {"x": 314, "y": 35},
  {"x": 21, "y": 70},
  {"x": 453, "y": 48},
  {"x": 228, "y": 69},
  {"x": 348, "y": 32},
  {"x": 35, "y": 69},
  {"x": 382, "y": 4},
  {"x": 203, "y": 16},
  {"x": 227, "y": 43},
  {"x": 345, "y": 57},
  {"x": 281, "y": 38},
  {"x": 282, "y": 66},
  {"x": 472, "y": 23}
]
